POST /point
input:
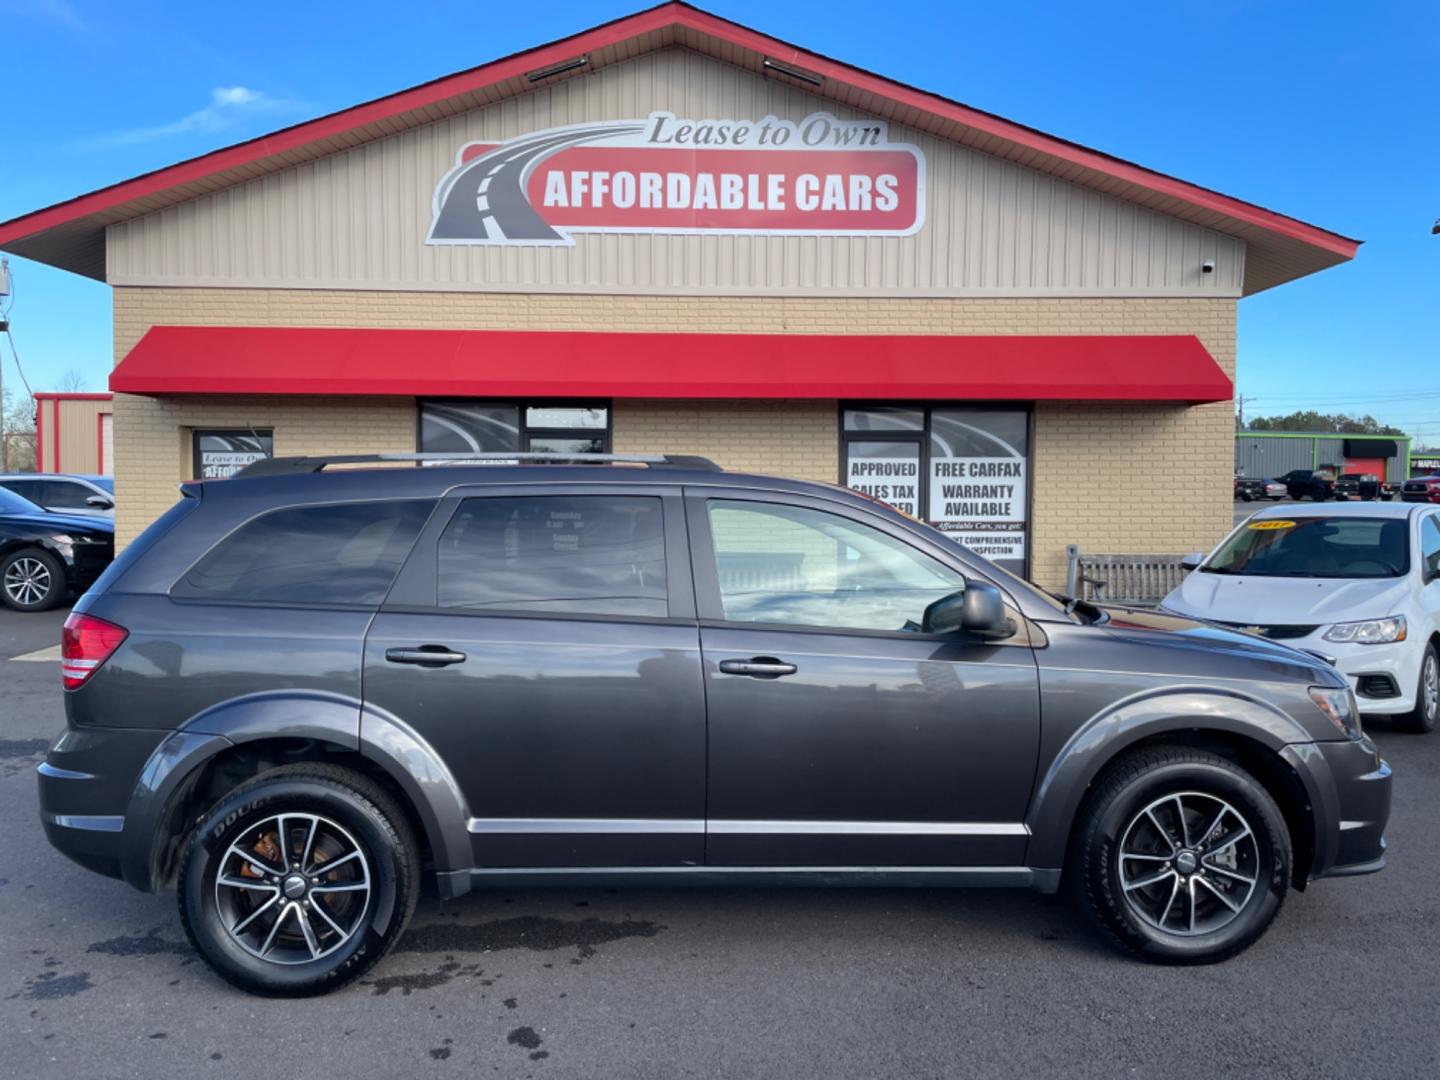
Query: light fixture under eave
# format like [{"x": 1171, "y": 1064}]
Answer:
[
  {"x": 794, "y": 72},
  {"x": 557, "y": 69}
]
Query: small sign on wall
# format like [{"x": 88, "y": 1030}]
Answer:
[{"x": 219, "y": 455}]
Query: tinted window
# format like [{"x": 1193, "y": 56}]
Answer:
[
  {"x": 14, "y": 501},
  {"x": 67, "y": 495},
  {"x": 584, "y": 554},
  {"x": 787, "y": 564},
  {"x": 33, "y": 490},
  {"x": 347, "y": 553},
  {"x": 1328, "y": 547}
]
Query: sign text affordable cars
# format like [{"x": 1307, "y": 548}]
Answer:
[{"x": 817, "y": 176}]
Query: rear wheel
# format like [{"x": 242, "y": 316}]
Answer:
[
  {"x": 1427, "y": 696},
  {"x": 299, "y": 881},
  {"x": 1181, "y": 856},
  {"x": 31, "y": 580}
]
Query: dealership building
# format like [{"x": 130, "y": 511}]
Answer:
[{"x": 672, "y": 233}]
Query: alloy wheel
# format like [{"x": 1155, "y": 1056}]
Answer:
[
  {"x": 293, "y": 888},
  {"x": 1189, "y": 862},
  {"x": 1430, "y": 685},
  {"x": 27, "y": 581}
]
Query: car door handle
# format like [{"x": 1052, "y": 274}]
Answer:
[
  {"x": 426, "y": 656},
  {"x": 758, "y": 667}
]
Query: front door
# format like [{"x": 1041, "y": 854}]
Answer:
[
  {"x": 543, "y": 641},
  {"x": 839, "y": 733}
]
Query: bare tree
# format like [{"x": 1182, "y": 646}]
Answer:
[{"x": 73, "y": 381}]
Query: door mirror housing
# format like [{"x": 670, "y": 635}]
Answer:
[
  {"x": 977, "y": 609},
  {"x": 100, "y": 502},
  {"x": 1193, "y": 560}
]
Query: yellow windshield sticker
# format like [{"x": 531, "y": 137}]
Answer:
[{"x": 1262, "y": 526}]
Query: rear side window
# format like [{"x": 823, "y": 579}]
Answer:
[
  {"x": 567, "y": 555},
  {"x": 346, "y": 553}
]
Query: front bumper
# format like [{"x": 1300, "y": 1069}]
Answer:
[
  {"x": 1348, "y": 784},
  {"x": 1399, "y": 661}
]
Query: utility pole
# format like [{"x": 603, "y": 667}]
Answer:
[
  {"x": 1240, "y": 400},
  {"x": 4, "y": 329}
]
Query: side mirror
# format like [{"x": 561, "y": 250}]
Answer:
[
  {"x": 1193, "y": 560},
  {"x": 100, "y": 502},
  {"x": 977, "y": 609}
]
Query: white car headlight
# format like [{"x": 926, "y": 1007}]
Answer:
[{"x": 1368, "y": 631}]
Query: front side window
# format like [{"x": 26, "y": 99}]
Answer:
[
  {"x": 1430, "y": 545},
  {"x": 68, "y": 495},
  {"x": 563, "y": 555},
  {"x": 344, "y": 553},
  {"x": 793, "y": 565},
  {"x": 1321, "y": 547}
]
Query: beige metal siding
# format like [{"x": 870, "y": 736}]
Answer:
[
  {"x": 76, "y": 436},
  {"x": 358, "y": 218}
]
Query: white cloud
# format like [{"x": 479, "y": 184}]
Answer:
[{"x": 228, "y": 106}]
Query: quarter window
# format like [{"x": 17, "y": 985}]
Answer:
[
  {"x": 566, "y": 555},
  {"x": 345, "y": 554},
  {"x": 794, "y": 565}
]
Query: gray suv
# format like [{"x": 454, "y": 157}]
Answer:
[{"x": 303, "y": 689}]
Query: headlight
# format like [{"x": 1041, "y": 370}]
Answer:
[
  {"x": 1339, "y": 706},
  {"x": 1368, "y": 631}
]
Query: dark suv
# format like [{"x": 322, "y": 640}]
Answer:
[{"x": 301, "y": 689}]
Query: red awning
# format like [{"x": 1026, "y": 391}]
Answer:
[{"x": 512, "y": 363}]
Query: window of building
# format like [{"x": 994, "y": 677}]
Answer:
[
  {"x": 965, "y": 470},
  {"x": 565, "y": 555},
  {"x": 793, "y": 565},
  {"x": 343, "y": 553},
  {"x": 220, "y": 454},
  {"x": 471, "y": 427}
]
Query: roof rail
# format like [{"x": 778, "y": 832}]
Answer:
[{"x": 286, "y": 466}]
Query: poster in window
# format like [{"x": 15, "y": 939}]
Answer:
[
  {"x": 219, "y": 455},
  {"x": 978, "y": 476},
  {"x": 888, "y": 471}
]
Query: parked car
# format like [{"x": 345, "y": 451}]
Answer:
[
  {"x": 301, "y": 689},
  {"x": 1365, "y": 486},
  {"x": 1247, "y": 490},
  {"x": 45, "y": 556},
  {"x": 1358, "y": 584},
  {"x": 1275, "y": 490},
  {"x": 1424, "y": 489},
  {"x": 1317, "y": 484},
  {"x": 64, "y": 493}
]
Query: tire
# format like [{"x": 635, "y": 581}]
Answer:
[
  {"x": 1422, "y": 718},
  {"x": 1115, "y": 814},
  {"x": 23, "y": 572},
  {"x": 295, "y": 954}
]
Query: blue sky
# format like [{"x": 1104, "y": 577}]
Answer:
[{"x": 1325, "y": 111}]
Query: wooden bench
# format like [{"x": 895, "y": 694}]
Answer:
[{"x": 1139, "y": 580}]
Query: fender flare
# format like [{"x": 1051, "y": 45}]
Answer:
[
  {"x": 291, "y": 714},
  {"x": 1123, "y": 724}
]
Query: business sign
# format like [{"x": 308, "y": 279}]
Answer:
[
  {"x": 888, "y": 471},
  {"x": 820, "y": 176},
  {"x": 978, "y": 479},
  {"x": 219, "y": 455}
]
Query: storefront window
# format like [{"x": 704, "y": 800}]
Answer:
[
  {"x": 471, "y": 427},
  {"x": 963, "y": 470},
  {"x": 221, "y": 454}
]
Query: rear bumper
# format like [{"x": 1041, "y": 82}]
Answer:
[{"x": 105, "y": 792}]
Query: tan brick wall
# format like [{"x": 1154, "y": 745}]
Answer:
[{"x": 1167, "y": 463}]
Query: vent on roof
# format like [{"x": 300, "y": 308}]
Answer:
[
  {"x": 793, "y": 72},
  {"x": 557, "y": 69}
]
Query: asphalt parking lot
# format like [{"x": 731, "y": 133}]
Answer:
[{"x": 96, "y": 980}]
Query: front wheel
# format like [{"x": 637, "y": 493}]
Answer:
[
  {"x": 1181, "y": 856},
  {"x": 299, "y": 881},
  {"x": 32, "y": 580},
  {"x": 1427, "y": 696}
]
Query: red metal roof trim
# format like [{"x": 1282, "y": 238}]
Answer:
[
  {"x": 643, "y": 22},
  {"x": 515, "y": 363}
]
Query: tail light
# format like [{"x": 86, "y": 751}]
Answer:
[{"x": 85, "y": 644}]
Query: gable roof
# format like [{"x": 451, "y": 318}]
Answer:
[{"x": 71, "y": 234}]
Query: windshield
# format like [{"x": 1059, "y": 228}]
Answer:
[
  {"x": 104, "y": 482},
  {"x": 10, "y": 503},
  {"x": 1322, "y": 547}
]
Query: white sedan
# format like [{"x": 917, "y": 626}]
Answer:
[{"x": 1357, "y": 583}]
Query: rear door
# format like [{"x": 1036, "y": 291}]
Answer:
[
  {"x": 841, "y": 735},
  {"x": 542, "y": 639}
]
